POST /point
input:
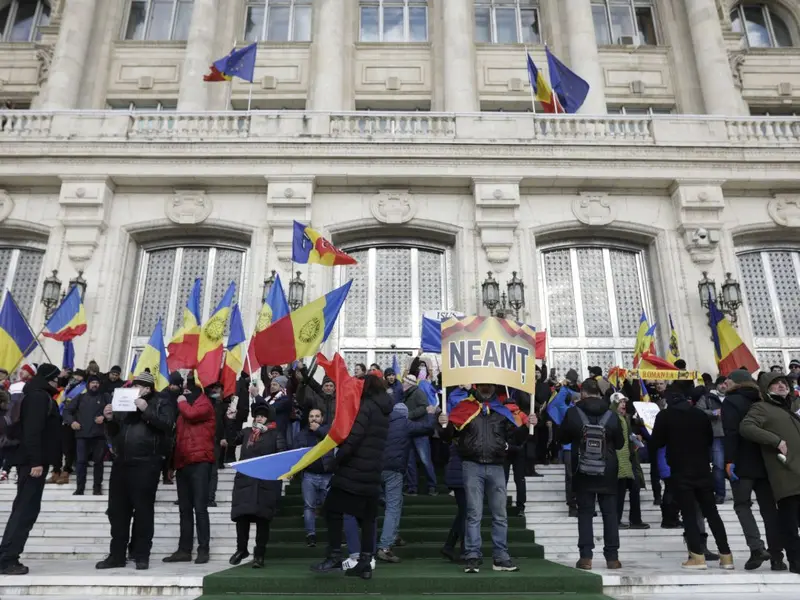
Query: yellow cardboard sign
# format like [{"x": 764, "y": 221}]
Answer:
[{"x": 488, "y": 350}]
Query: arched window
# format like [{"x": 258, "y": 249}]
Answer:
[
  {"x": 393, "y": 286},
  {"x": 764, "y": 26},
  {"x": 593, "y": 298},
  {"x": 771, "y": 281},
  {"x": 20, "y": 269},
  {"x": 158, "y": 20},
  {"x": 20, "y": 20},
  {"x": 166, "y": 276}
]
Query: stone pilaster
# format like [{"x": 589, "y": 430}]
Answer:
[
  {"x": 497, "y": 217},
  {"x": 699, "y": 207},
  {"x": 460, "y": 75},
  {"x": 288, "y": 200},
  {"x": 328, "y": 82},
  {"x": 194, "y": 92},
  {"x": 85, "y": 204},
  {"x": 583, "y": 55}
]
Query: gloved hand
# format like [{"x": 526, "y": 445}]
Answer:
[{"x": 730, "y": 469}]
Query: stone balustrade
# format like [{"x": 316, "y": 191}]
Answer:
[{"x": 423, "y": 127}]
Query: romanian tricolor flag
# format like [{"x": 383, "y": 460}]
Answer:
[
  {"x": 234, "y": 354},
  {"x": 644, "y": 394},
  {"x": 209, "y": 346},
  {"x": 69, "y": 319},
  {"x": 651, "y": 361},
  {"x": 541, "y": 344},
  {"x": 468, "y": 409},
  {"x": 730, "y": 352},
  {"x": 348, "y": 401},
  {"x": 674, "y": 352},
  {"x": 308, "y": 246},
  {"x": 616, "y": 377},
  {"x": 275, "y": 307},
  {"x": 644, "y": 340},
  {"x": 541, "y": 89},
  {"x": 16, "y": 339},
  {"x": 302, "y": 332},
  {"x": 154, "y": 358},
  {"x": 183, "y": 345}
]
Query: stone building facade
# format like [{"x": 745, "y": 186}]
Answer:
[{"x": 401, "y": 129}]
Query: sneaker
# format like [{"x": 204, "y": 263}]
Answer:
[
  {"x": 726, "y": 562},
  {"x": 472, "y": 566},
  {"x": 350, "y": 563},
  {"x": 613, "y": 564},
  {"x": 757, "y": 558},
  {"x": 666, "y": 525},
  {"x": 311, "y": 540},
  {"x": 109, "y": 562},
  {"x": 386, "y": 555},
  {"x": 178, "y": 557},
  {"x": 504, "y": 565},
  {"x": 584, "y": 564},
  {"x": 696, "y": 562},
  {"x": 258, "y": 562},
  {"x": 640, "y": 526},
  {"x": 410, "y": 494},
  {"x": 16, "y": 568}
]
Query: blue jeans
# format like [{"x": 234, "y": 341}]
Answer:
[
  {"x": 421, "y": 447},
  {"x": 352, "y": 536},
  {"x": 718, "y": 461},
  {"x": 393, "y": 492},
  {"x": 491, "y": 480},
  {"x": 315, "y": 488}
]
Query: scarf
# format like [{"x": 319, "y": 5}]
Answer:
[
  {"x": 469, "y": 408},
  {"x": 258, "y": 429}
]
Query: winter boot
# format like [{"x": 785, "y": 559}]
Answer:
[
  {"x": 363, "y": 568},
  {"x": 696, "y": 562},
  {"x": 63, "y": 479},
  {"x": 53, "y": 477},
  {"x": 726, "y": 562}
]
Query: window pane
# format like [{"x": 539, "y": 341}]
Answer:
[
  {"x": 783, "y": 38},
  {"x": 157, "y": 290},
  {"x": 160, "y": 20},
  {"x": 135, "y": 28},
  {"x": 183, "y": 20},
  {"x": 594, "y": 293},
  {"x": 757, "y": 298},
  {"x": 483, "y": 26},
  {"x": 736, "y": 21},
  {"x": 369, "y": 24},
  {"x": 418, "y": 24},
  {"x": 627, "y": 291},
  {"x": 253, "y": 23},
  {"x": 194, "y": 264},
  {"x": 646, "y": 25},
  {"x": 26, "y": 279},
  {"x": 393, "y": 24},
  {"x": 430, "y": 269},
  {"x": 278, "y": 24},
  {"x": 757, "y": 32},
  {"x": 621, "y": 23},
  {"x": 601, "y": 25},
  {"x": 4, "y": 12},
  {"x": 44, "y": 20},
  {"x": 393, "y": 292},
  {"x": 560, "y": 294},
  {"x": 355, "y": 311},
  {"x": 784, "y": 277},
  {"x": 23, "y": 23},
  {"x": 530, "y": 26},
  {"x": 506, "y": 22},
  {"x": 302, "y": 24}
]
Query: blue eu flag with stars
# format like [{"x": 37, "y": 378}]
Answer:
[{"x": 239, "y": 63}]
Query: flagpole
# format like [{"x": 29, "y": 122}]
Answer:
[
  {"x": 533, "y": 97},
  {"x": 35, "y": 341},
  {"x": 250, "y": 97}
]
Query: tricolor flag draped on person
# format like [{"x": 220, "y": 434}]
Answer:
[
  {"x": 275, "y": 307},
  {"x": 209, "y": 347},
  {"x": 16, "y": 338},
  {"x": 542, "y": 90},
  {"x": 286, "y": 464},
  {"x": 239, "y": 63},
  {"x": 673, "y": 353},
  {"x": 183, "y": 345},
  {"x": 234, "y": 353},
  {"x": 469, "y": 408},
  {"x": 308, "y": 246},
  {"x": 570, "y": 89},
  {"x": 154, "y": 358},
  {"x": 730, "y": 352},
  {"x": 301, "y": 332}
]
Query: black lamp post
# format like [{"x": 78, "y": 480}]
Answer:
[
  {"x": 501, "y": 304},
  {"x": 297, "y": 289},
  {"x": 268, "y": 283},
  {"x": 728, "y": 300}
]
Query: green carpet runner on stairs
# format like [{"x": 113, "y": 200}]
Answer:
[{"x": 424, "y": 526}]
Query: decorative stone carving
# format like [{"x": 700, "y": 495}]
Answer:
[
  {"x": 594, "y": 208},
  {"x": 393, "y": 207},
  {"x": 496, "y": 216},
  {"x": 44, "y": 55},
  {"x": 736, "y": 61},
  {"x": 699, "y": 206},
  {"x": 785, "y": 210},
  {"x": 6, "y": 205},
  {"x": 85, "y": 205},
  {"x": 188, "y": 207},
  {"x": 288, "y": 200}
]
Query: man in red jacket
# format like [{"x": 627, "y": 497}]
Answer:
[{"x": 194, "y": 456}]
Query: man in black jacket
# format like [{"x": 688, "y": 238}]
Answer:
[
  {"x": 745, "y": 468},
  {"x": 38, "y": 432},
  {"x": 483, "y": 442},
  {"x": 686, "y": 433},
  {"x": 594, "y": 489},
  {"x": 85, "y": 416},
  {"x": 317, "y": 475},
  {"x": 139, "y": 442}
]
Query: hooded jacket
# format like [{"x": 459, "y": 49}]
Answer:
[
  {"x": 84, "y": 409},
  {"x": 398, "y": 440},
  {"x": 685, "y": 431},
  {"x": 768, "y": 423},
  {"x": 196, "y": 432},
  {"x": 745, "y": 454},
  {"x": 40, "y": 439}
]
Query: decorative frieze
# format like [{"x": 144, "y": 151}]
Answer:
[
  {"x": 496, "y": 216},
  {"x": 84, "y": 208},
  {"x": 288, "y": 200},
  {"x": 699, "y": 207}
]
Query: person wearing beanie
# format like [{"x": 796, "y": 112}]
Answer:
[
  {"x": 113, "y": 380},
  {"x": 416, "y": 400},
  {"x": 26, "y": 373},
  {"x": 393, "y": 385},
  {"x": 747, "y": 473},
  {"x": 139, "y": 446},
  {"x": 310, "y": 394},
  {"x": 773, "y": 424},
  {"x": 39, "y": 447},
  {"x": 84, "y": 415}
]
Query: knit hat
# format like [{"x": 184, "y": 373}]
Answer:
[
  {"x": 794, "y": 363},
  {"x": 401, "y": 408},
  {"x": 46, "y": 371},
  {"x": 572, "y": 376},
  {"x": 175, "y": 378},
  {"x": 145, "y": 379},
  {"x": 116, "y": 369},
  {"x": 261, "y": 408},
  {"x": 595, "y": 371},
  {"x": 92, "y": 378},
  {"x": 389, "y": 371},
  {"x": 409, "y": 381},
  {"x": 29, "y": 369},
  {"x": 740, "y": 376},
  {"x": 282, "y": 381}
]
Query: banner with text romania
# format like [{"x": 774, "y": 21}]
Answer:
[{"x": 488, "y": 350}]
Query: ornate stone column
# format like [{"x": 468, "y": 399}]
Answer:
[
  {"x": 460, "y": 75},
  {"x": 65, "y": 75},
  {"x": 583, "y": 55},
  {"x": 720, "y": 95},
  {"x": 193, "y": 93},
  {"x": 328, "y": 81}
]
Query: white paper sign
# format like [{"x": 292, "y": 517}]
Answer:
[
  {"x": 648, "y": 411},
  {"x": 124, "y": 399}
]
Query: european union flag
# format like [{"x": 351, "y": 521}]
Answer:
[
  {"x": 239, "y": 63},
  {"x": 570, "y": 88}
]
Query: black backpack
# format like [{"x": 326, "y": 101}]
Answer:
[
  {"x": 10, "y": 422},
  {"x": 592, "y": 448}
]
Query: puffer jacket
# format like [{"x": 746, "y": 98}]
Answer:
[
  {"x": 417, "y": 402},
  {"x": 196, "y": 432},
  {"x": 740, "y": 451},
  {"x": 85, "y": 409},
  {"x": 359, "y": 459},
  {"x": 398, "y": 440},
  {"x": 257, "y": 497},
  {"x": 40, "y": 436},
  {"x": 142, "y": 435}
]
